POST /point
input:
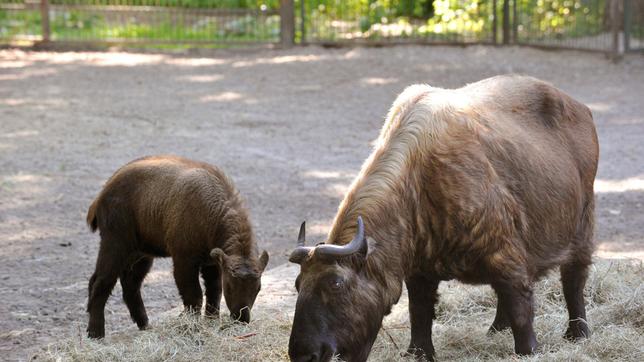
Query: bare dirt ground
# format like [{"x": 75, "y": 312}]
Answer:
[{"x": 291, "y": 127}]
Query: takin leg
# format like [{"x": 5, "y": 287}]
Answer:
[
  {"x": 501, "y": 320},
  {"x": 131, "y": 280},
  {"x": 575, "y": 272},
  {"x": 212, "y": 280},
  {"x": 422, "y": 297},
  {"x": 186, "y": 275},
  {"x": 573, "y": 280},
  {"x": 515, "y": 300},
  {"x": 108, "y": 265}
]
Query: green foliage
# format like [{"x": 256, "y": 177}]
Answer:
[
  {"x": 74, "y": 25},
  {"x": 559, "y": 18},
  {"x": 459, "y": 17},
  {"x": 464, "y": 20},
  {"x": 440, "y": 19},
  {"x": 23, "y": 23}
]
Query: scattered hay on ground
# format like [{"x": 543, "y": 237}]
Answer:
[{"x": 615, "y": 305}]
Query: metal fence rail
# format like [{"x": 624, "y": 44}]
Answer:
[
  {"x": 136, "y": 21},
  {"x": 396, "y": 21}
]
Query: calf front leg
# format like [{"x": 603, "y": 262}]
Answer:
[
  {"x": 423, "y": 295},
  {"x": 515, "y": 300},
  {"x": 212, "y": 280},
  {"x": 186, "y": 275}
]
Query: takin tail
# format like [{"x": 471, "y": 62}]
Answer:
[{"x": 91, "y": 216}]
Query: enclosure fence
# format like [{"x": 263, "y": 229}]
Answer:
[
  {"x": 611, "y": 26},
  {"x": 633, "y": 25},
  {"x": 143, "y": 21},
  {"x": 337, "y": 21}
]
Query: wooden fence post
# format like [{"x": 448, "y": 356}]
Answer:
[
  {"x": 44, "y": 13},
  {"x": 494, "y": 23},
  {"x": 302, "y": 22},
  {"x": 287, "y": 23},
  {"x": 627, "y": 25},
  {"x": 614, "y": 24},
  {"x": 515, "y": 23},
  {"x": 506, "y": 21}
]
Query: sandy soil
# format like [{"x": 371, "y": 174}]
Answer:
[{"x": 291, "y": 127}]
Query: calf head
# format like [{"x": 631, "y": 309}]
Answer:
[
  {"x": 339, "y": 309},
  {"x": 241, "y": 280}
]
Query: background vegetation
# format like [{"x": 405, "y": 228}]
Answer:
[{"x": 323, "y": 20}]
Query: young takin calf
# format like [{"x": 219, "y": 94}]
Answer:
[{"x": 171, "y": 206}]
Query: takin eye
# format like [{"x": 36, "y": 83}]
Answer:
[{"x": 336, "y": 284}]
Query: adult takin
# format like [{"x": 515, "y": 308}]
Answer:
[
  {"x": 171, "y": 206},
  {"x": 491, "y": 183}
]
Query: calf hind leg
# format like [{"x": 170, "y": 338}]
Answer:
[
  {"x": 131, "y": 280},
  {"x": 108, "y": 265},
  {"x": 573, "y": 280}
]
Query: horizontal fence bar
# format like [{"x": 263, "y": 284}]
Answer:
[
  {"x": 118, "y": 41},
  {"x": 564, "y": 47},
  {"x": 139, "y": 9},
  {"x": 392, "y": 42}
]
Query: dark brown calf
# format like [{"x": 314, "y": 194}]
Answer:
[{"x": 170, "y": 206}]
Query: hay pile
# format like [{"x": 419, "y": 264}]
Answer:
[{"x": 615, "y": 308}]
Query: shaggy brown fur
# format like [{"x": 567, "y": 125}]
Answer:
[
  {"x": 171, "y": 206},
  {"x": 491, "y": 183}
]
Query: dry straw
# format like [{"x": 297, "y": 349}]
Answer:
[{"x": 615, "y": 304}]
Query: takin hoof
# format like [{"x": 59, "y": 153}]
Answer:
[
  {"x": 419, "y": 354},
  {"x": 577, "y": 330},
  {"x": 143, "y": 326},
  {"x": 141, "y": 321},
  {"x": 191, "y": 311},
  {"x": 96, "y": 333},
  {"x": 527, "y": 349},
  {"x": 211, "y": 313}
]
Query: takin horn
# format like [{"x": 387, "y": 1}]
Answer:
[
  {"x": 299, "y": 254},
  {"x": 336, "y": 251}
]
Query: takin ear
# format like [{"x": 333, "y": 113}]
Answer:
[
  {"x": 370, "y": 246},
  {"x": 218, "y": 257},
  {"x": 263, "y": 261}
]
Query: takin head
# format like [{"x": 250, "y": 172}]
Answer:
[
  {"x": 339, "y": 309},
  {"x": 241, "y": 279}
]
